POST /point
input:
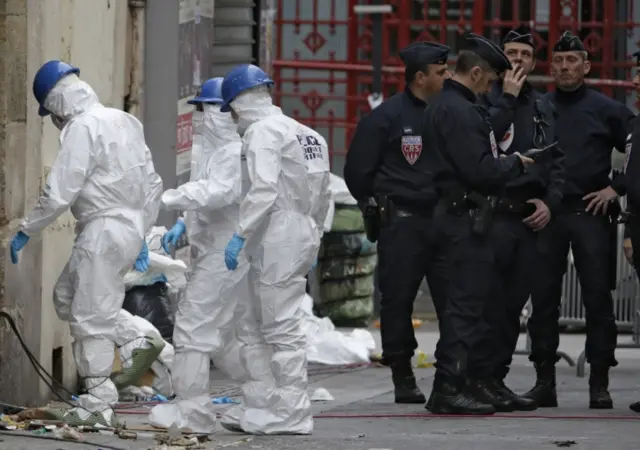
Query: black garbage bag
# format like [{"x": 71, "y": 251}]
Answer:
[{"x": 152, "y": 303}]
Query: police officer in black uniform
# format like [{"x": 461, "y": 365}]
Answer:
[
  {"x": 467, "y": 170},
  {"x": 632, "y": 175},
  {"x": 385, "y": 166},
  {"x": 521, "y": 120},
  {"x": 588, "y": 126}
]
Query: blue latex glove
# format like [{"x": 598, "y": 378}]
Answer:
[
  {"x": 17, "y": 243},
  {"x": 173, "y": 235},
  {"x": 315, "y": 263},
  {"x": 231, "y": 252},
  {"x": 142, "y": 263}
]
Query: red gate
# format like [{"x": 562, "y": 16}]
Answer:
[{"x": 322, "y": 63}]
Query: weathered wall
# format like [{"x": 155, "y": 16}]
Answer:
[
  {"x": 91, "y": 35},
  {"x": 21, "y": 287}
]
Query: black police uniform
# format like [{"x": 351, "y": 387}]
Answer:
[
  {"x": 466, "y": 170},
  {"x": 632, "y": 173},
  {"x": 588, "y": 126},
  {"x": 386, "y": 161},
  {"x": 632, "y": 176},
  {"x": 519, "y": 124}
]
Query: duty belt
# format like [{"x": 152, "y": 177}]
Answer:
[
  {"x": 575, "y": 205},
  {"x": 508, "y": 206},
  {"x": 420, "y": 212}
]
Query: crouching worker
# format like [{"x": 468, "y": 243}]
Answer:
[{"x": 104, "y": 173}]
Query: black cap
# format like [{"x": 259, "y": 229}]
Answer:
[
  {"x": 569, "y": 43},
  {"x": 489, "y": 51},
  {"x": 636, "y": 55},
  {"x": 420, "y": 54},
  {"x": 521, "y": 35}
]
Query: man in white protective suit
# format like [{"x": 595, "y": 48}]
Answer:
[
  {"x": 104, "y": 173},
  {"x": 281, "y": 221},
  {"x": 204, "y": 321}
]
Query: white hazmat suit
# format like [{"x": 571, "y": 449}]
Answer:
[
  {"x": 204, "y": 320},
  {"x": 197, "y": 127},
  {"x": 281, "y": 218},
  {"x": 103, "y": 172}
]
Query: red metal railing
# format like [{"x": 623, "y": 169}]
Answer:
[{"x": 322, "y": 63}]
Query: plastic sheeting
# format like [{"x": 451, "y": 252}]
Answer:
[
  {"x": 347, "y": 262},
  {"x": 326, "y": 345},
  {"x": 339, "y": 195}
]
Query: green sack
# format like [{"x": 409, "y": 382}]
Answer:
[
  {"x": 354, "y": 312},
  {"x": 338, "y": 290},
  {"x": 347, "y": 218},
  {"x": 340, "y": 268},
  {"x": 347, "y": 245}
]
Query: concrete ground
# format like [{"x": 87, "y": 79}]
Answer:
[{"x": 363, "y": 416}]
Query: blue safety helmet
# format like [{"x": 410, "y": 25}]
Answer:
[
  {"x": 239, "y": 79},
  {"x": 210, "y": 92},
  {"x": 46, "y": 78}
]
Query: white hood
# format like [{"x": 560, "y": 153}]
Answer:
[
  {"x": 252, "y": 106},
  {"x": 70, "y": 97},
  {"x": 219, "y": 129}
]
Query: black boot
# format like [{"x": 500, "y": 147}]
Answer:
[
  {"x": 635, "y": 407},
  {"x": 599, "y": 397},
  {"x": 429, "y": 404},
  {"x": 404, "y": 381},
  {"x": 520, "y": 403},
  {"x": 544, "y": 392},
  {"x": 449, "y": 397},
  {"x": 486, "y": 391}
]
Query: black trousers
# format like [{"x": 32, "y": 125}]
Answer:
[
  {"x": 514, "y": 246},
  {"x": 406, "y": 254},
  {"x": 633, "y": 232},
  {"x": 589, "y": 238},
  {"x": 470, "y": 263}
]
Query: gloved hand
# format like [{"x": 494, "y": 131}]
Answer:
[
  {"x": 173, "y": 235},
  {"x": 17, "y": 243},
  {"x": 231, "y": 252},
  {"x": 315, "y": 263},
  {"x": 142, "y": 263}
]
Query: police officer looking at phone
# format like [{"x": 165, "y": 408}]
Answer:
[
  {"x": 632, "y": 173},
  {"x": 521, "y": 120},
  {"x": 589, "y": 125},
  {"x": 467, "y": 171},
  {"x": 386, "y": 172}
]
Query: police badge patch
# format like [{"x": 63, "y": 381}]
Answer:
[
  {"x": 627, "y": 153},
  {"x": 507, "y": 139},
  {"x": 494, "y": 145},
  {"x": 411, "y": 148}
]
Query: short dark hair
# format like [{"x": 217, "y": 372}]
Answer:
[
  {"x": 411, "y": 71},
  {"x": 467, "y": 60}
]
